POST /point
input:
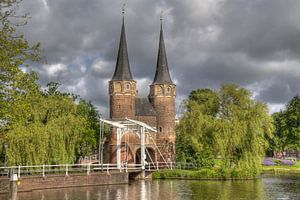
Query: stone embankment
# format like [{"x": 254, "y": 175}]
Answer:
[{"x": 29, "y": 183}]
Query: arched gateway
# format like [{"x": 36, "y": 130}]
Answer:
[
  {"x": 156, "y": 110},
  {"x": 133, "y": 136}
]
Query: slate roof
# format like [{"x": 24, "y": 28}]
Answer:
[
  {"x": 122, "y": 70},
  {"x": 143, "y": 107},
  {"x": 162, "y": 75}
]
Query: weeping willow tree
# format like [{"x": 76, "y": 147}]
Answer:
[
  {"x": 241, "y": 130},
  {"x": 227, "y": 124},
  {"x": 48, "y": 132}
]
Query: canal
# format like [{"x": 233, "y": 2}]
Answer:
[{"x": 267, "y": 188}]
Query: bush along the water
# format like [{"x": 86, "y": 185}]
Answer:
[{"x": 206, "y": 174}]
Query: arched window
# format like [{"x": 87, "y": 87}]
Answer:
[{"x": 127, "y": 86}]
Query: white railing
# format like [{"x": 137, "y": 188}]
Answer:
[{"x": 43, "y": 170}]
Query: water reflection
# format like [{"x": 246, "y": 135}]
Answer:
[{"x": 267, "y": 188}]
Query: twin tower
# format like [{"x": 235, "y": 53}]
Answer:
[{"x": 157, "y": 110}]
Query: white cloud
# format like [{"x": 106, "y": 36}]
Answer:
[
  {"x": 102, "y": 68},
  {"x": 275, "y": 107},
  {"x": 45, "y": 3},
  {"x": 54, "y": 70}
]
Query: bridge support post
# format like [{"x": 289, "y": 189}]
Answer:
[
  {"x": 13, "y": 187},
  {"x": 143, "y": 174}
]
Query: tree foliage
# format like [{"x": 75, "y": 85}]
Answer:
[
  {"x": 53, "y": 130},
  {"x": 226, "y": 124},
  {"x": 37, "y": 126},
  {"x": 15, "y": 52},
  {"x": 287, "y": 127}
]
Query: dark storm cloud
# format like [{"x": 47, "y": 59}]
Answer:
[
  {"x": 208, "y": 42},
  {"x": 282, "y": 94},
  {"x": 260, "y": 28}
]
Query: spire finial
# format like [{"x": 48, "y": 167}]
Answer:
[
  {"x": 161, "y": 18},
  {"x": 123, "y": 11}
]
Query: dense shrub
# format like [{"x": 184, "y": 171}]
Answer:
[{"x": 205, "y": 174}]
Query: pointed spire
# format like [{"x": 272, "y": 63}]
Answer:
[
  {"x": 122, "y": 70},
  {"x": 162, "y": 75}
]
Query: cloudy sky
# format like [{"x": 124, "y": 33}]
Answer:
[{"x": 253, "y": 43}]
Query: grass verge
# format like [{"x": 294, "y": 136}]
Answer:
[{"x": 204, "y": 174}]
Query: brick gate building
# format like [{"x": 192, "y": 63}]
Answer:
[{"x": 156, "y": 110}]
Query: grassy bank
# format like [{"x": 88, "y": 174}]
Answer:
[
  {"x": 203, "y": 174},
  {"x": 282, "y": 169},
  {"x": 221, "y": 174}
]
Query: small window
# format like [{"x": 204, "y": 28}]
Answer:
[
  {"x": 127, "y": 86},
  {"x": 168, "y": 90},
  {"x": 160, "y": 129},
  {"x": 119, "y": 106}
]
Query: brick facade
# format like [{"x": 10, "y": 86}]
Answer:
[{"x": 157, "y": 110}]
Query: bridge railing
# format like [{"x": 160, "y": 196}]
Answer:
[{"x": 43, "y": 170}]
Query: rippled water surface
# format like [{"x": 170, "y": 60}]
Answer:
[{"x": 268, "y": 187}]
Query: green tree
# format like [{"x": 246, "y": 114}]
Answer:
[
  {"x": 226, "y": 124},
  {"x": 287, "y": 127},
  {"x": 39, "y": 127},
  {"x": 15, "y": 52},
  {"x": 90, "y": 136},
  {"x": 241, "y": 129},
  {"x": 194, "y": 133},
  {"x": 48, "y": 132}
]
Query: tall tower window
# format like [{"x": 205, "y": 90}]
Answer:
[{"x": 160, "y": 129}]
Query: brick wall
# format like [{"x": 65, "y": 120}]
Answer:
[{"x": 60, "y": 181}]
